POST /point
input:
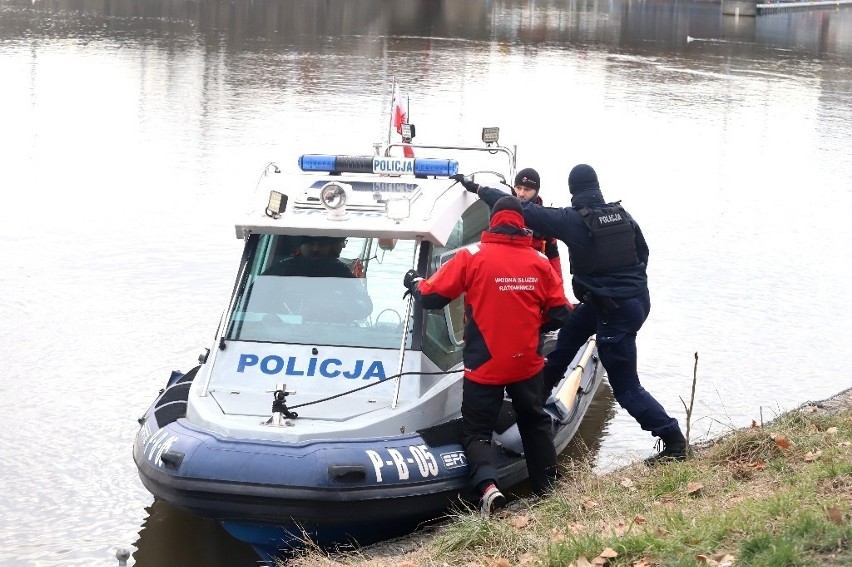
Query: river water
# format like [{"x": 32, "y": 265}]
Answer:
[{"x": 132, "y": 134}]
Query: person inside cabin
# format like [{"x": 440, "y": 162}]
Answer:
[
  {"x": 340, "y": 296},
  {"x": 511, "y": 295},
  {"x": 316, "y": 257},
  {"x": 527, "y": 185}
]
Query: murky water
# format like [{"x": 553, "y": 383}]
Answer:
[{"x": 131, "y": 135}]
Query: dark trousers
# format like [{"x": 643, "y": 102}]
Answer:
[
  {"x": 481, "y": 405},
  {"x": 616, "y": 338}
]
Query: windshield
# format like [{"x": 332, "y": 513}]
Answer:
[{"x": 323, "y": 290}]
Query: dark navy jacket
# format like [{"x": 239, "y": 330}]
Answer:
[{"x": 566, "y": 224}]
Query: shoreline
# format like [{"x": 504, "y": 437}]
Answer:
[
  {"x": 402, "y": 551},
  {"x": 831, "y": 405}
]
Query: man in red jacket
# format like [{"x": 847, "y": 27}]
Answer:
[{"x": 512, "y": 295}]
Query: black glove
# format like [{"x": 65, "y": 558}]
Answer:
[
  {"x": 467, "y": 184},
  {"x": 410, "y": 281}
]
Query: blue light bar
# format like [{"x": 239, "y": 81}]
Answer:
[
  {"x": 434, "y": 166},
  {"x": 420, "y": 167},
  {"x": 336, "y": 164}
]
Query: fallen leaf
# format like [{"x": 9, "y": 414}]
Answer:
[
  {"x": 660, "y": 532},
  {"x": 590, "y": 504},
  {"x": 759, "y": 465},
  {"x": 781, "y": 441},
  {"x": 620, "y": 529},
  {"x": 576, "y": 529},
  {"x": 718, "y": 559},
  {"x": 712, "y": 560},
  {"x": 626, "y": 482},
  {"x": 641, "y": 563},
  {"x": 693, "y": 487},
  {"x": 831, "y": 431},
  {"x": 835, "y": 515},
  {"x": 501, "y": 562},
  {"x": 608, "y": 553},
  {"x": 556, "y": 534},
  {"x": 599, "y": 561},
  {"x": 527, "y": 559},
  {"x": 519, "y": 522},
  {"x": 639, "y": 520},
  {"x": 583, "y": 562},
  {"x": 811, "y": 457}
]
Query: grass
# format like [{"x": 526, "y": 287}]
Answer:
[{"x": 773, "y": 496}]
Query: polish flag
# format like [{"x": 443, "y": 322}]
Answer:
[{"x": 400, "y": 116}]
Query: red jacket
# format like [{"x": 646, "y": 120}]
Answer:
[
  {"x": 547, "y": 246},
  {"x": 512, "y": 294}
]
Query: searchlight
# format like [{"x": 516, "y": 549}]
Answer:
[{"x": 333, "y": 197}]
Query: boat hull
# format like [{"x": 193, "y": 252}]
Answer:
[{"x": 276, "y": 495}]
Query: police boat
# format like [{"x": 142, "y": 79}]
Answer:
[{"x": 327, "y": 407}]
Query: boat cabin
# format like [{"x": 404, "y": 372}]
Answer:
[{"x": 318, "y": 308}]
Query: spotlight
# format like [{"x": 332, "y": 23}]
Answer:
[
  {"x": 333, "y": 197},
  {"x": 277, "y": 204},
  {"x": 490, "y": 135}
]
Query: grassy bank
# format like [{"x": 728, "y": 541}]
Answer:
[{"x": 777, "y": 495}]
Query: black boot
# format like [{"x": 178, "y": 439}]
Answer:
[{"x": 673, "y": 449}]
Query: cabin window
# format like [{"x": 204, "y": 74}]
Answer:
[
  {"x": 342, "y": 291},
  {"x": 444, "y": 337}
]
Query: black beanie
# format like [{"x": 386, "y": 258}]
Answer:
[
  {"x": 507, "y": 203},
  {"x": 581, "y": 178},
  {"x": 528, "y": 177}
]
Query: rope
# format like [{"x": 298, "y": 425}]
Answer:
[{"x": 374, "y": 384}]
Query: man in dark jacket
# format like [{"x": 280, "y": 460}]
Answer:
[
  {"x": 338, "y": 297},
  {"x": 527, "y": 186},
  {"x": 608, "y": 256},
  {"x": 512, "y": 294},
  {"x": 318, "y": 257}
]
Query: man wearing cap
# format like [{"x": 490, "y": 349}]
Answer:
[
  {"x": 527, "y": 185},
  {"x": 608, "y": 256},
  {"x": 512, "y": 294}
]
